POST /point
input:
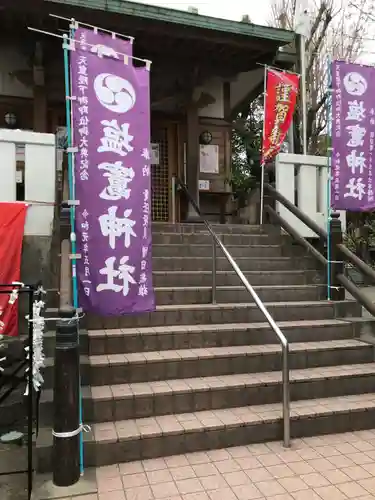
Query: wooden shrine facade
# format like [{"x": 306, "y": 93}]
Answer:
[{"x": 203, "y": 69}]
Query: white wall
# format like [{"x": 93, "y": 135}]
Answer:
[
  {"x": 215, "y": 88},
  {"x": 39, "y": 176},
  {"x": 303, "y": 180},
  {"x": 243, "y": 84},
  {"x": 240, "y": 87}
]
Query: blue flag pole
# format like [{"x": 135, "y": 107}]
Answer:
[
  {"x": 329, "y": 174},
  {"x": 71, "y": 179}
]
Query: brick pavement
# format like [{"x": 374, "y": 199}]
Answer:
[{"x": 333, "y": 467}]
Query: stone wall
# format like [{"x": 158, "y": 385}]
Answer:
[{"x": 40, "y": 262}]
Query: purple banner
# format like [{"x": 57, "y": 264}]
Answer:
[
  {"x": 103, "y": 44},
  {"x": 353, "y": 137},
  {"x": 111, "y": 124}
]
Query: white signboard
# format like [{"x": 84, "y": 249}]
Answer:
[
  {"x": 19, "y": 177},
  {"x": 20, "y": 152},
  {"x": 204, "y": 185},
  {"x": 155, "y": 154},
  {"x": 209, "y": 159}
]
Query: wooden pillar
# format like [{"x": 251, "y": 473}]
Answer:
[
  {"x": 192, "y": 158},
  {"x": 39, "y": 94},
  {"x": 40, "y": 110}
]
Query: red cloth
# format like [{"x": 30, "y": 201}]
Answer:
[
  {"x": 280, "y": 102},
  {"x": 12, "y": 224}
]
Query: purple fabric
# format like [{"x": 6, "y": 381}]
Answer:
[
  {"x": 111, "y": 129},
  {"x": 102, "y": 43},
  {"x": 353, "y": 137}
]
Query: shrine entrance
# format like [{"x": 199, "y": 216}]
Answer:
[{"x": 163, "y": 166}]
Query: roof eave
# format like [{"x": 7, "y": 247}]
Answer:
[{"x": 187, "y": 19}]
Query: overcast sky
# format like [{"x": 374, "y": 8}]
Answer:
[{"x": 258, "y": 10}]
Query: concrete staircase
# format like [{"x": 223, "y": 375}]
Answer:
[{"x": 195, "y": 375}]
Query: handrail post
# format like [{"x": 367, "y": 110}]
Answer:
[
  {"x": 286, "y": 395},
  {"x": 282, "y": 339},
  {"x": 173, "y": 199},
  {"x": 335, "y": 264},
  {"x": 213, "y": 271}
]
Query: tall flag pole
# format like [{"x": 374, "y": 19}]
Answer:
[
  {"x": 302, "y": 26},
  {"x": 303, "y": 94},
  {"x": 329, "y": 175},
  {"x": 263, "y": 135},
  {"x": 72, "y": 196}
]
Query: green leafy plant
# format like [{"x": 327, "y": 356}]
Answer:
[
  {"x": 360, "y": 237},
  {"x": 246, "y": 149}
]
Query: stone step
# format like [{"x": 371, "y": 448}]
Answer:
[
  {"x": 203, "y": 295},
  {"x": 127, "y": 340},
  {"x": 136, "y": 400},
  {"x": 162, "y": 227},
  {"x": 152, "y": 437},
  {"x": 182, "y": 314},
  {"x": 206, "y": 239},
  {"x": 214, "y": 361},
  {"x": 222, "y": 335},
  {"x": 13, "y": 460},
  {"x": 244, "y": 263},
  {"x": 236, "y": 252},
  {"x": 97, "y": 342},
  {"x": 230, "y": 278}
]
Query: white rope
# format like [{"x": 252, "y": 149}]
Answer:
[
  {"x": 69, "y": 434},
  {"x": 76, "y": 317},
  {"x": 38, "y": 354}
]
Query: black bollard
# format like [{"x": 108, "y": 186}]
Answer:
[
  {"x": 336, "y": 264},
  {"x": 66, "y": 466}
]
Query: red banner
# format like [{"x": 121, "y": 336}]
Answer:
[
  {"x": 280, "y": 102},
  {"x": 12, "y": 223}
]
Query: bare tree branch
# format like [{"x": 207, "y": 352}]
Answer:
[{"x": 338, "y": 31}]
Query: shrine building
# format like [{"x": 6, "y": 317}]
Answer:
[{"x": 204, "y": 71}]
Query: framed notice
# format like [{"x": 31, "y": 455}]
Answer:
[
  {"x": 204, "y": 185},
  {"x": 155, "y": 154},
  {"x": 209, "y": 159}
]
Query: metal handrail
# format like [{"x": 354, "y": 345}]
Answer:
[
  {"x": 281, "y": 337},
  {"x": 322, "y": 233},
  {"x": 345, "y": 252}
]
